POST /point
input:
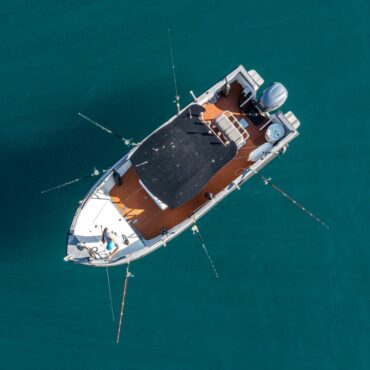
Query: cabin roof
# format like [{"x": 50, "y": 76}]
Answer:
[{"x": 177, "y": 161}]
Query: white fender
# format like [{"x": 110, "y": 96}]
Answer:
[{"x": 260, "y": 152}]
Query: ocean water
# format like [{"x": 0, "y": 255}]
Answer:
[{"x": 291, "y": 294}]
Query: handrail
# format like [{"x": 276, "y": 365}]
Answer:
[
  {"x": 237, "y": 124},
  {"x": 209, "y": 125},
  {"x": 234, "y": 121}
]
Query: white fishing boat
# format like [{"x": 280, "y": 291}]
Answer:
[{"x": 182, "y": 170}]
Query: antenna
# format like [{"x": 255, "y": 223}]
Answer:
[
  {"x": 283, "y": 193},
  {"x": 177, "y": 97}
]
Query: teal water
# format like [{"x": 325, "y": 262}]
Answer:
[{"x": 292, "y": 295}]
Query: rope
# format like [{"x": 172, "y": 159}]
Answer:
[
  {"x": 110, "y": 294},
  {"x": 195, "y": 230},
  {"x": 268, "y": 182},
  {"x": 93, "y": 251},
  {"x": 128, "y": 274}
]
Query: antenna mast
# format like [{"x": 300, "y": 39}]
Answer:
[{"x": 177, "y": 97}]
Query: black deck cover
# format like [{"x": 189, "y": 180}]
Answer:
[{"x": 177, "y": 161}]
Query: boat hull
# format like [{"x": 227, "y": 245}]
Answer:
[{"x": 109, "y": 205}]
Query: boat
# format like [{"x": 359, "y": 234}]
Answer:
[{"x": 183, "y": 169}]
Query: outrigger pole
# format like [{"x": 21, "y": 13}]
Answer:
[
  {"x": 283, "y": 193},
  {"x": 177, "y": 97}
]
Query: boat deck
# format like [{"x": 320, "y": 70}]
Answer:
[{"x": 143, "y": 213}]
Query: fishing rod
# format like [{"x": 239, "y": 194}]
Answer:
[
  {"x": 284, "y": 194},
  {"x": 128, "y": 275},
  {"x": 177, "y": 97},
  {"x": 96, "y": 172},
  {"x": 196, "y": 231},
  {"x": 127, "y": 142},
  {"x": 93, "y": 174}
]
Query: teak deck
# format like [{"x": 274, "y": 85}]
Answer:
[{"x": 139, "y": 208}]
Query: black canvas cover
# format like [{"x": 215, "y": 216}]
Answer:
[{"x": 178, "y": 160}]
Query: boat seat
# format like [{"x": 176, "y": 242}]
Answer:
[{"x": 230, "y": 130}]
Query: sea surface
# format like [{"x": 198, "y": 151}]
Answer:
[{"x": 291, "y": 295}]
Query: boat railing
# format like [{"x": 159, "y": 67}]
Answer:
[
  {"x": 229, "y": 128},
  {"x": 237, "y": 124}
]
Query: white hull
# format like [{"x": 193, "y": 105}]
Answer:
[{"x": 96, "y": 211}]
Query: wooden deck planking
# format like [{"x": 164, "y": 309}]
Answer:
[{"x": 146, "y": 217}]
